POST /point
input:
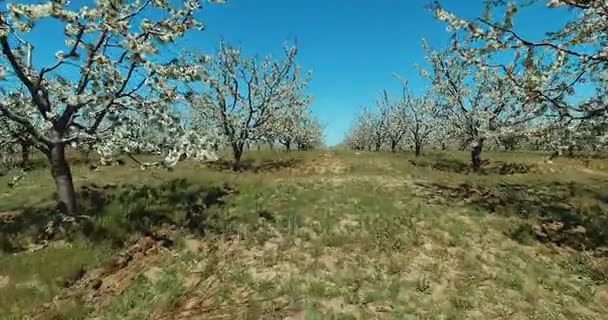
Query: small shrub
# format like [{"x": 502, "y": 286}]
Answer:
[{"x": 523, "y": 232}]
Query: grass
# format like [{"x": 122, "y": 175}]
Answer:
[
  {"x": 39, "y": 276},
  {"x": 323, "y": 235}
]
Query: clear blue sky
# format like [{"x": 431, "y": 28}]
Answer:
[{"x": 353, "y": 46}]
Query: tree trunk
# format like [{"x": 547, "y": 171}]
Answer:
[
  {"x": 288, "y": 146},
  {"x": 237, "y": 152},
  {"x": 25, "y": 155},
  {"x": 476, "y": 155},
  {"x": 86, "y": 156},
  {"x": 378, "y": 147},
  {"x": 63, "y": 179},
  {"x": 418, "y": 149},
  {"x": 393, "y": 146}
]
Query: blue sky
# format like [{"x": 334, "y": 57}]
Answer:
[{"x": 352, "y": 46}]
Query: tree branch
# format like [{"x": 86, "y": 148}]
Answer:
[{"x": 5, "y": 110}]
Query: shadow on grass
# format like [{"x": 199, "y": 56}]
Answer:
[
  {"x": 566, "y": 214},
  {"x": 249, "y": 165},
  {"x": 116, "y": 213},
  {"x": 447, "y": 164}
]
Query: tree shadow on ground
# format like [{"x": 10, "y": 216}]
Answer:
[
  {"x": 249, "y": 165},
  {"x": 566, "y": 214},
  {"x": 462, "y": 167},
  {"x": 115, "y": 213}
]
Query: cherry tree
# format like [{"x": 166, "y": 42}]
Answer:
[
  {"x": 563, "y": 76},
  {"x": 298, "y": 128},
  {"x": 420, "y": 114},
  {"x": 394, "y": 122},
  {"x": 14, "y": 139},
  {"x": 372, "y": 129},
  {"x": 245, "y": 96},
  {"x": 310, "y": 135},
  {"x": 112, "y": 63},
  {"x": 360, "y": 134},
  {"x": 375, "y": 124},
  {"x": 8, "y": 141},
  {"x": 478, "y": 100},
  {"x": 394, "y": 119},
  {"x": 289, "y": 125}
]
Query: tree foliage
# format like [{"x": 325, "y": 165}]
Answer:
[
  {"x": 112, "y": 66},
  {"x": 248, "y": 100},
  {"x": 563, "y": 77}
]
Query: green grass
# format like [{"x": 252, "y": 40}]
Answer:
[
  {"x": 332, "y": 235},
  {"x": 39, "y": 276}
]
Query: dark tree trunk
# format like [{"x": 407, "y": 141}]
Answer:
[
  {"x": 63, "y": 179},
  {"x": 288, "y": 146},
  {"x": 476, "y": 155},
  {"x": 25, "y": 155},
  {"x": 86, "y": 156},
  {"x": 418, "y": 149},
  {"x": 393, "y": 146},
  {"x": 237, "y": 152},
  {"x": 443, "y": 147},
  {"x": 378, "y": 147}
]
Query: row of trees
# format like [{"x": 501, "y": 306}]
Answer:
[
  {"x": 552, "y": 92},
  {"x": 115, "y": 88},
  {"x": 394, "y": 123}
]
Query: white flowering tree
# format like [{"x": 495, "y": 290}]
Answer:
[
  {"x": 394, "y": 119},
  {"x": 310, "y": 135},
  {"x": 360, "y": 134},
  {"x": 247, "y": 98},
  {"x": 297, "y": 128},
  {"x": 112, "y": 64},
  {"x": 287, "y": 125},
  {"x": 14, "y": 139},
  {"x": 420, "y": 115},
  {"x": 478, "y": 100},
  {"x": 394, "y": 122},
  {"x": 563, "y": 76},
  {"x": 375, "y": 125},
  {"x": 8, "y": 141}
]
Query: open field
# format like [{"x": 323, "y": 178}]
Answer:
[{"x": 315, "y": 235}]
